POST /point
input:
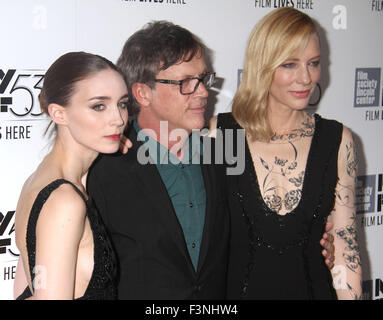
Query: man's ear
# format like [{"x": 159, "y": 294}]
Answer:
[
  {"x": 57, "y": 114},
  {"x": 142, "y": 93}
]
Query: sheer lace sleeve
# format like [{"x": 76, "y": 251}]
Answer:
[{"x": 347, "y": 270}]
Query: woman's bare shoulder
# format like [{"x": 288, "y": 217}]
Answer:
[{"x": 213, "y": 127}]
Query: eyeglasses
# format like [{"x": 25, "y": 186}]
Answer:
[{"x": 190, "y": 85}]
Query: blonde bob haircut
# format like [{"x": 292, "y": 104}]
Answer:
[{"x": 274, "y": 39}]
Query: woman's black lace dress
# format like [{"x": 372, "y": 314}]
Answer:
[
  {"x": 102, "y": 284},
  {"x": 279, "y": 256}
]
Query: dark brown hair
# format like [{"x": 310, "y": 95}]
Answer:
[
  {"x": 62, "y": 76},
  {"x": 156, "y": 47}
]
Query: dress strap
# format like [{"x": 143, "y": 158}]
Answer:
[
  {"x": 227, "y": 121},
  {"x": 40, "y": 200}
]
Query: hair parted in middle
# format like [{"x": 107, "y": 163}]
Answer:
[
  {"x": 155, "y": 47},
  {"x": 274, "y": 39}
]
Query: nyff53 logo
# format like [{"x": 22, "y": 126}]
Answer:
[
  {"x": 7, "y": 228},
  {"x": 19, "y": 90}
]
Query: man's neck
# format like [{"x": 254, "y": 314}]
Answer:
[{"x": 171, "y": 138}]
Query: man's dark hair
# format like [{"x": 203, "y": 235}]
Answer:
[{"x": 157, "y": 46}]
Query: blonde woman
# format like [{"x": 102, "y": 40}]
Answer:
[{"x": 299, "y": 173}]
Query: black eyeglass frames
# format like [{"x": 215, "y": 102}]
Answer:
[{"x": 190, "y": 85}]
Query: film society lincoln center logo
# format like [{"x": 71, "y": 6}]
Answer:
[
  {"x": 367, "y": 87},
  {"x": 369, "y": 199}
]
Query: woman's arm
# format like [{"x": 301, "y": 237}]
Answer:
[
  {"x": 21, "y": 281},
  {"x": 347, "y": 273},
  {"x": 59, "y": 230}
]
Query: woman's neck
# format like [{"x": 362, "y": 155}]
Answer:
[
  {"x": 71, "y": 159},
  {"x": 285, "y": 122}
]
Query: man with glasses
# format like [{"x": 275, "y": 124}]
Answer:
[
  {"x": 164, "y": 207},
  {"x": 165, "y": 211}
]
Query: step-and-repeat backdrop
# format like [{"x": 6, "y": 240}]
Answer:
[{"x": 35, "y": 32}]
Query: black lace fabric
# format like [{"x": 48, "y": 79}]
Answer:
[
  {"x": 276, "y": 256},
  {"x": 102, "y": 284}
]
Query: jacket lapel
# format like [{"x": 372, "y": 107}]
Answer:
[
  {"x": 148, "y": 178},
  {"x": 207, "y": 173}
]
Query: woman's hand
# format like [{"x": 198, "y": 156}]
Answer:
[
  {"x": 125, "y": 144},
  {"x": 327, "y": 242}
]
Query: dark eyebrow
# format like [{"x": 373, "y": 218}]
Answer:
[
  {"x": 99, "y": 98},
  {"x": 125, "y": 96},
  {"x": 192, "y": 76}
]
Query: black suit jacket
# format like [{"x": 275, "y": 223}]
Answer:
[{"x": 153, "y": 258}]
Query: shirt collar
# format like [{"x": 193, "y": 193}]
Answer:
[{"x": 163, "y": 156}]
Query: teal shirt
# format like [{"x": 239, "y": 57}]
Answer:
[{"x": 185, "y": 185}]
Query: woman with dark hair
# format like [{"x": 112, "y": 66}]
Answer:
[
  {"x": 64, "y": 249},
  {"x": 299, "y": 172}
]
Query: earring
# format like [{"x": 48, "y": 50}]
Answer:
[{"x": 319, "y": 96}]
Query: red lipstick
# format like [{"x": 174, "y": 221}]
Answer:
[{"x": 114, "y": 137}]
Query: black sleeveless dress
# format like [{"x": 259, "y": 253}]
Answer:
[
  {"x": 102, "y": 285},
  {"x": 274, "y": 256}
]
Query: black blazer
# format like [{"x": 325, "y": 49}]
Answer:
[{"x": 153, "y": 258}]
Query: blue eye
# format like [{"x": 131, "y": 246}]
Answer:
[
  {"x": 288, "y": 65},
  {"x": 98, "y": 107},
  {"x": 315, "y": 63},
  {"x": 123, "y": 104}
]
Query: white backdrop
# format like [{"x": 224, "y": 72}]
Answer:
[{"x": 35, "y": 32}]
